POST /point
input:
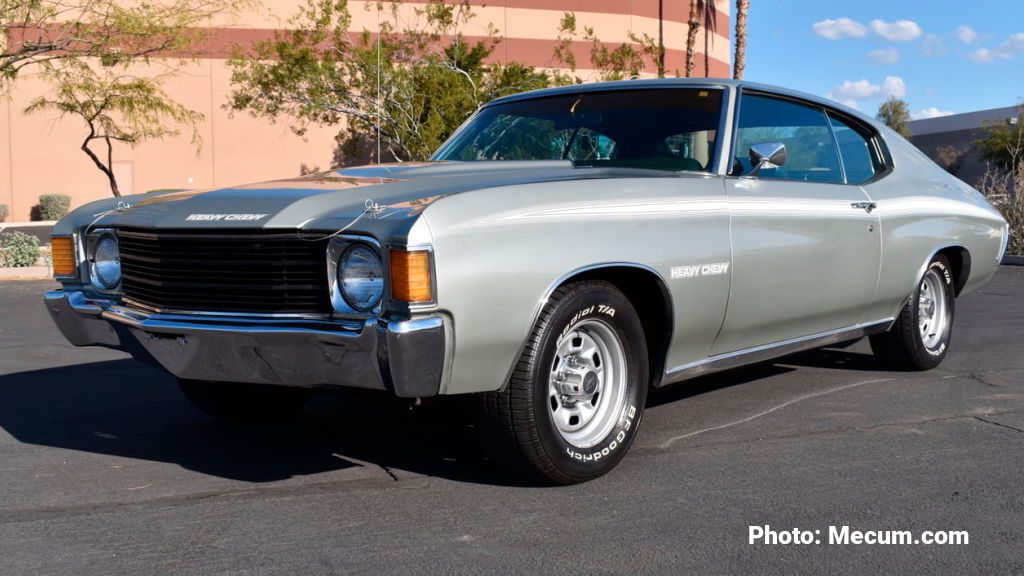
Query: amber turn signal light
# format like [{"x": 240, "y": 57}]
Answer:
[
  {"x": 410, "y": 276},
  {"x": 62, "y": 252}
]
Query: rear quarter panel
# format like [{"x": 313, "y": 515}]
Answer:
[{"x": 923, "y": 209}]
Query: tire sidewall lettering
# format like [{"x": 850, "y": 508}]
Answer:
[
  {"x": 947, "y": 280},
  {"x": 611, "y": 448},
  {"x": 618, "y": 437},
  {"x": 604, "y": 309}
]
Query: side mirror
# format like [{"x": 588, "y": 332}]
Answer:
[{"x": 766, "y": 155}]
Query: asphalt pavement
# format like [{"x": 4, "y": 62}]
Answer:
[{"x": 106, "y": 469}]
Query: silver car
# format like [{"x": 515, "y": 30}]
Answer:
[{"x": 563, "y": 253}]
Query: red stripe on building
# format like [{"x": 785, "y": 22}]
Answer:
[
  {"x": 670, "y": 10},
  {"x": 534, "y": 52}
]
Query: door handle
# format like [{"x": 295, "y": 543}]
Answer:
[{"x": 865, "y": 206}]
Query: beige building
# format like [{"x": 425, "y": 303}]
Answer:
[{"x": 39, "y": 153}]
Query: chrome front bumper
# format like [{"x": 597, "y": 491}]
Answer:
[{"x": 406, "y": 358}]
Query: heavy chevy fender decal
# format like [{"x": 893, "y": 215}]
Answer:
[{"x": 695, "y": 270}]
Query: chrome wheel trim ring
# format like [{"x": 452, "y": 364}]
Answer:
[
  {"x": 587, "y": 383},
  {"x": 932, "y": 309}
]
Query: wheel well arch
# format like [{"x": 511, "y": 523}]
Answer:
[
  {"x": 650, "y": 297},
  {"x": 960, "y": 261}
]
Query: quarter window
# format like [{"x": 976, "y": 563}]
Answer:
[
  {"x": 810, "y": 149},
  {"x": 860, "y": 156}
]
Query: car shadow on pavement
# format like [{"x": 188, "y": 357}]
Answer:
[
  {"x": 124, "y": 408},
  {"x": 712, "y": 382},
  {"x": 127, "y": 409},
  {"x": 835, "y": 359}
]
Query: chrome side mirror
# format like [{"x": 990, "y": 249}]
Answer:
[{"x": 766, "y": 155}]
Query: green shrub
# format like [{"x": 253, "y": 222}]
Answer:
[
  {"x": 18, "y": 250},
  {"x": 4, "y": 212},
  {"x": 52, "y": 207}
]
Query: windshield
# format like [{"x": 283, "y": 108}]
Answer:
[{"x": 659, "y": 129}]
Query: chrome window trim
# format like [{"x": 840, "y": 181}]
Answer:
[
  {"x": 726, "y": 137},
  {"x": 875, "y": 138},
  {"x": 835, "y": 144},
  {"x": 724, "y": 112}
]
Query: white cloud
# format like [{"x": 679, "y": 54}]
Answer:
[
  {"x": 966, "y": 34},
  {"x": 840, "y": 28},
  {"x": 849, "y": 103},
  {"x": 981, "y": 55},
  {"x": 894, "y": 86},
  {"x": 888, "y": 55},
  {"x": 931, "y": 112},
  {"x": 863, "y": 89},
  {"x": 898, "y": 31},
  {"x": 854, "y": 90},
  {"x": 932, "y": 46},
  {"x": 1010, "y": 47}
]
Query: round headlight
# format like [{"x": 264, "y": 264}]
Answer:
[
  {"x": 106, "y": 263},
  {"x": 361, "y": 277}
]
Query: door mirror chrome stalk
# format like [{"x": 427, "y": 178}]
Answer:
[{"x": 766, "y": 155}]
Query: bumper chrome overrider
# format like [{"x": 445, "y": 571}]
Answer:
[{"x": 406, "y": 358}]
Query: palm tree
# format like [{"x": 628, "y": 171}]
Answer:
[
  {"x": 702, "y": 13},
  {"x": 710, "y": 25},
  {"x": 691, "y": 35},
  {"x": 740, "y": 59}
]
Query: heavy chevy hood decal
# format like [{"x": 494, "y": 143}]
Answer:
[{"x": 329, "y": 200}]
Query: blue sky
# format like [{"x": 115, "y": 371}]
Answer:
[{"x": 940, "y": 56}]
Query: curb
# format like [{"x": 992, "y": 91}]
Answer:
[{"x": 1012, "y": 260}]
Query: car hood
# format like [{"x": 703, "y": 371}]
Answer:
[{"x": 330, "y": 200}]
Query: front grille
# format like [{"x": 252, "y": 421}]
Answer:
[{"x": 276, "y": 273}]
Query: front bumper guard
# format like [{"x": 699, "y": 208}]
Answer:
[{"x": 406, "y": 358}]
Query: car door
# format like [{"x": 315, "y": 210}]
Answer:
[{"x": 805, "y": 247}]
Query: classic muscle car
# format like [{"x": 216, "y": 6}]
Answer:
[{"x": 563, "y": 253}]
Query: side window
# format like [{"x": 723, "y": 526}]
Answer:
[
  {"x": 810, "y": 151},
  {"x": 585, "y": 144},
  {"x": 693, "y": 149},
  {"x": 860, "y": 156}
]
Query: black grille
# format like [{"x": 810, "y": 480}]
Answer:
[{"x": 224, "y": 271}]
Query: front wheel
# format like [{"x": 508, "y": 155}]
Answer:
[
  {"x": 919, "y": 339},
  {"x": 238, "y": 402},
  {"x": 574, "y": 402}
]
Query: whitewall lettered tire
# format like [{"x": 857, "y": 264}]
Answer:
[{"x": 576, "y": 396}]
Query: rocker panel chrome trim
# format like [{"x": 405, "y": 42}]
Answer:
[{"x": 757, "y": 354}]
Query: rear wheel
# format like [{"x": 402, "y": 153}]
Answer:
[
  {"x": 920, "y": 337},
  {"x": 239, "y": 402},
  {"x": 574, "y": 402}
]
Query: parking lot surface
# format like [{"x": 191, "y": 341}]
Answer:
[{"x": 106, "y": 469}]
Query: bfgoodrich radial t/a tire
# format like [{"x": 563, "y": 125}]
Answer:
[
  {"x": 919, "y": 339},
  {"x": 573, "y": 405}
]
